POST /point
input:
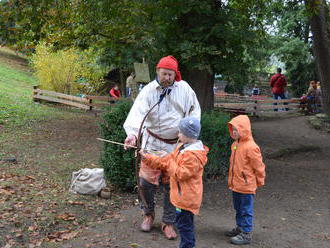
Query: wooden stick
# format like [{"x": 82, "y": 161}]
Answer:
[{"x": 117, "y": 143}]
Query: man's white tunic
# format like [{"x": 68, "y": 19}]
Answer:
[{"x": 163, "y": 120}]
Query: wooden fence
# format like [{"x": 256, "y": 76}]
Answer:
[
  {"x": 86, "y": 102},
  {"x": 257, "y": 105}
]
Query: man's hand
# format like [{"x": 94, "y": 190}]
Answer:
[
  {"x": 142, "y": 153},
  {"x": 130, "y": 141}
]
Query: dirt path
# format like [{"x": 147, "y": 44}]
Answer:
[
  {"x": 292, "y": 210},
  {"x": 9, "y": 58}
]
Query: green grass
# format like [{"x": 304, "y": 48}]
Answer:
[
  {"x": 48, "y": 142},
  {"x": 16, "y": 105}
]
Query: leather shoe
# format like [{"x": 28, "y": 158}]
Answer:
[
  {"x": 169, "y": 232},
  {"x": 147, "y": 222}
]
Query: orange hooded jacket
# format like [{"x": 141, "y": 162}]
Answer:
[
  {"x": 185, "y": 168},
  {"x": 247, "y": 171}
]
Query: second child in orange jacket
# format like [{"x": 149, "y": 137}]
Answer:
[
  {"x": 246, "y": 174},
  {"x": 247, "y": 170}
]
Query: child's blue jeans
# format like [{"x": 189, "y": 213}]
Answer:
[
  {"x": 243, "y": 204},
  {"x": 185, "y": 225}
]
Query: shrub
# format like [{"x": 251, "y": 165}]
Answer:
[
  {"x": 119, "y": 164},
  {"x": 215, "y": 135},
  {"x": 92, "y": 75},
  {"x": 69, "y": 71},
  {"x": 56, "y": 71}
]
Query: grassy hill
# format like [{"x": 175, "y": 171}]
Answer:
[
  {"x": 16, "y": 81},
  {"x": 40, "y": 146}
]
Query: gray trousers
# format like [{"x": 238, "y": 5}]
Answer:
[{"x": 149, "y": 191}]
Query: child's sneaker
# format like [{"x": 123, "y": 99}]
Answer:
[
  {"x": 233, "y": 232},
  {"x": 242, "y": 238}
]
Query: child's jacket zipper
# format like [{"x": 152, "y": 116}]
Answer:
[{"x": 232, "y": 171}]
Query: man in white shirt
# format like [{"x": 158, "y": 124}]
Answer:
[
  {"x": 131, "y": 86},
  {"x": 176, "y": 100}
]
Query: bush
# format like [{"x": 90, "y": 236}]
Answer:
[
  {"x": 69, "y": 71},
  {"x": 56, "y": 71},
  {"x": 119, "y": 164},
  {"x": 215, "y": 135},
  {"x": 92, "y": 75}
]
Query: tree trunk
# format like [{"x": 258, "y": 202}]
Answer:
[
  {"x": 320, "y": 30},
  {"x": 122, "y": 83},
  {"x": 202, "y": 83}
]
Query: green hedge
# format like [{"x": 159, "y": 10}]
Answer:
[
  {"x": 215, "y": 135},
  {"x": 119, "y": 164}
]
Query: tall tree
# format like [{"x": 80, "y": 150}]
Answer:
[
  {"x": 22, "y": 22},
  {"x": 207, "y": 37},
  {"x": 321, "y": 45},
  {"x": 291, "y": 42}
]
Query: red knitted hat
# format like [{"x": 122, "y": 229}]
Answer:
[{"x": 169, "y": 62}]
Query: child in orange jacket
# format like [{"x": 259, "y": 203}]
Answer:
[
  {"x": 185, "y": 166},
  {"x": 246, "y": 173}
]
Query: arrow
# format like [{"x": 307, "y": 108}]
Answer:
[{"x": 117, "y": 143}]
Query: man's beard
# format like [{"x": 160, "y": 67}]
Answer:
[{"x": 166, "y": 84}]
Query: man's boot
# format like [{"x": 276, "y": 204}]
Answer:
[
  {"x": 243, "y": 238},
  {"x": 147, "y": 222},
  {"x": 233, "y": 232}
]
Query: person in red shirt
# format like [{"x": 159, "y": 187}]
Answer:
[
  {"x": 115, "y": 92},
  {"x": 278, "y": 82}
]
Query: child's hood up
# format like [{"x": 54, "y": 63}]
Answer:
[{"x": 243, "y": 125}]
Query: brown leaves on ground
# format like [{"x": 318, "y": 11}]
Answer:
[
  {"x": 61, "y": 235},
  {"x": 34, "y": 210},
  {"x": 323, "y": 236},
  {"x": 76, "y": 203},
  {"x": 66, "y": 217}
]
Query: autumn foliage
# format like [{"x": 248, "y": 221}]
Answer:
[{"x": 68, "y": 71}]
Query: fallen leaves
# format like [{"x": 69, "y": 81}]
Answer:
[
  {"x": 66, "y": 217},
  {"x": 76, "y": 203},
  {"x": 7, "y": 190},
  {"x": 36, "y": 209},
  {"x": 33, "y": 228},
  {"x": 61, "y": 235},
  {"x": 323, "y": 236},
  {"x": 36, "y": 205}
]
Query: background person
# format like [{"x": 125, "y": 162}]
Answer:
[
  {"x": 115, "y": 92},
  {"x": 314, "y": 97},
  {"x": 131, "y": 86},
  {"x": 255, "y": 90},
  {"x": 278, "y": 83}
]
